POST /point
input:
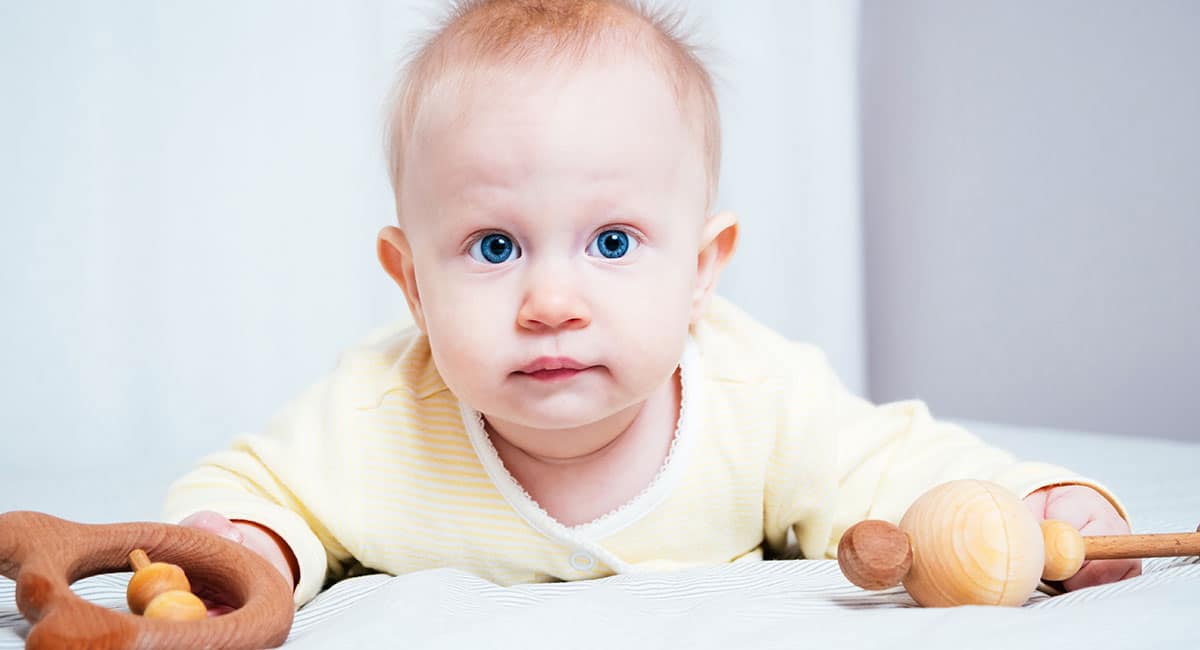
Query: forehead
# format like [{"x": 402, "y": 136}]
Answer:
[{"x": 609, "y": 120}]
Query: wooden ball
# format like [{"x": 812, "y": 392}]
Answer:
[
  {"x": 1064, "y": 550},
  {"x": 974, "y": 543},
  {"x": 176, "y": 606},
  {"x": 150, "y": 581},
  {"x": 874, "y": 554}
]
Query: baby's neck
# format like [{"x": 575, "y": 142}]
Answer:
[
  {"x": 572, "y": 446},
  {"x": 576, "y": 488}
]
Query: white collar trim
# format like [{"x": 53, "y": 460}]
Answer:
[{"x": 584, "y": 536}]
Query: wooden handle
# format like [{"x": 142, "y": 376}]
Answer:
[
  {"x": 1066, "y": 549},
  {"x": 1114, "y": 547},
  {"x": 138, "y": 559},
  {"x": 45, "y": 555}
]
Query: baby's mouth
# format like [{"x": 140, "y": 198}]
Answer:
[
  {"x": 557, "y": 374},
  {"x": 553, "y": 369}
]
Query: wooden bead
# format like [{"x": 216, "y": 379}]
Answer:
[
  {"x": 973, "y": 543},
  {"x": 176, "y": 606},
  {"x": 1064, "y": 550},
  {"x": 151, "y": 579},
  {"x": 874, "y": 554}
]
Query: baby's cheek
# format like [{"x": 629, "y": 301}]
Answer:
[
  {"x": 459, "y": 316},
  {"x": 460, "y": 350},
  {"x": 652, "y": 354}
]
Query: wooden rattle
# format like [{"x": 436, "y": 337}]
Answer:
[
  {"x": 975, "y": 543},
  {"x": 45, "y": 555}
]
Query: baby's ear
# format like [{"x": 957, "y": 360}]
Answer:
[
  {"x": 717, "y": 243},
  {"x": 396, "y": 257}
]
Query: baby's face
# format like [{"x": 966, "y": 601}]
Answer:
[{"x": 555, "y": 219}]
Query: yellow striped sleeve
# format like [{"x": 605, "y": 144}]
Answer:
[
  {"x": 875, "y": 460},
  {"x": 261, "y": 479}
]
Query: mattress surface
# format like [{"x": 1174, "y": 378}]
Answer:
[{"x": 781, "y": 604}]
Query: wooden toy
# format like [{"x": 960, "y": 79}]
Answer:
[
  {"x": 45, "y": 555},
  {"x": 161, "y": 590},
  {"x": 975, "y": 543}
]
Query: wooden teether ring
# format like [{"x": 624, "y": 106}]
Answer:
[{"x": 45, "y": 555}]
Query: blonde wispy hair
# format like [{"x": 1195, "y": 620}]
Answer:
[{"x": 516, "y": 32}]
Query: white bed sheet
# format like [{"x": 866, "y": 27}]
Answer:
[{"x": 775, "y": 604}]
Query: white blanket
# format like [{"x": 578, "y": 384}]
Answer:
[{"x": 775, "y": 604}]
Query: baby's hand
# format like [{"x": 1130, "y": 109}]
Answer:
[
  {"x": 257, "y": 538},
  {"x": 1091, "y": 513}
]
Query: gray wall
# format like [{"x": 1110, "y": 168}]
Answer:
[{"x": 1032, "y": 210}]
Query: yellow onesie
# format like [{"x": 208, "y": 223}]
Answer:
[{"x": 380, "y": 465}]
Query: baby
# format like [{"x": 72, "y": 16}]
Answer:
[{"x": 573, "y": 400}]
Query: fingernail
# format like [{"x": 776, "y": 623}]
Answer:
[{"x": 234, "y": 535}]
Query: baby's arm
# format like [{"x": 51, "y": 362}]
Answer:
[
  {"x": 864, "y": 461},
  {"x": 284, "y": 483}
]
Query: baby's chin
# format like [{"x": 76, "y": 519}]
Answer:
[
  {"x": 553, "y": 437},
  {"x": 552, "y": 420}
]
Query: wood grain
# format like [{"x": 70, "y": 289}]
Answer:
[
  {"x": 874, "y": 554},
  {"x": 1114, "y": 547},
  {"x": 974, "y": 543},
  {"x": 45, "y": 555}
]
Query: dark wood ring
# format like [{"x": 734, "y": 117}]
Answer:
[{"x": 45, "y": 555}]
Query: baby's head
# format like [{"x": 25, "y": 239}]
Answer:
[{"x": 553, "y": 164}]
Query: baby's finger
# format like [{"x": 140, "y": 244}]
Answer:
[
  {"x": 219, "y": 610},
  {"x": 1112, "y": 525},
  {"x": 1036, "y": 502},
  {"x": 1101, "y": 572},
  {"x": 214, "y": 523},
  {"x": 1078, "y": 506},
  {"x": 215, "y": 601}
]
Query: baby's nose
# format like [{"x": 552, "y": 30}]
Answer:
[{"x": 553, "y": 304}]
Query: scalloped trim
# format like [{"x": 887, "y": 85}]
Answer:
[{"x": 584, "y": 536}]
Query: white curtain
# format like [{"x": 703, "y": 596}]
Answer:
[{"x": 190, "y": 193}]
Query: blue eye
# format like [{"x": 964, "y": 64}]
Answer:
[
  {"x": 494, "y": 249},
  {"x": 612, "y": 244}
]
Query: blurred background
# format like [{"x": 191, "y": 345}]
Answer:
[
  {"x": 992, "y": 206},
  {"x": 1031, "y": 210}
]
